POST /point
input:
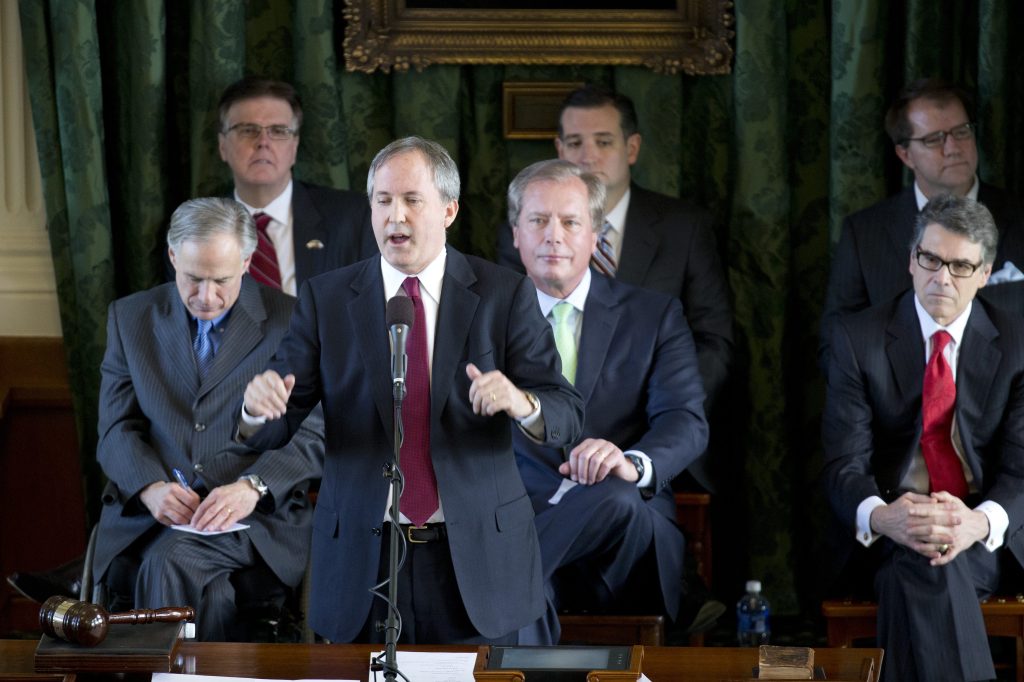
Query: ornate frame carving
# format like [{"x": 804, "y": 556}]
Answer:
[{"x": 695, "y": 37}]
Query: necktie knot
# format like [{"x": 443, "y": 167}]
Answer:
[
  {"x": 940, "y": 340},
  {"x": 412, "y": 287}
]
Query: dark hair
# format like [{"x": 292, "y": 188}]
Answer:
[
  {"x": 898, "y": 126},
  {"x": 555, "y": 170},
  {"x": 595, "y": 96},
  {"x": 962, "y": 216},
  {"x": 252, "y": 87}
]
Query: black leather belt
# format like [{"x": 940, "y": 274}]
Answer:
[{"x": 418, "y": 535}]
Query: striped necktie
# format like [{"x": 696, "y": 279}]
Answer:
[
  {"x": 264, "y": 268},
  {"x": 565, "y": 339},
  {"x": 203, "y": 347},
  {"x": 603, "y": 257}
]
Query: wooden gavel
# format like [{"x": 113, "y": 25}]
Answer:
[{"x": 83, "y": 623}]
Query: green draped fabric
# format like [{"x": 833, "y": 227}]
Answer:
[{"x": 124, "y": 94}]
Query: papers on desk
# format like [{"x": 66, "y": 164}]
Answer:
[
  {"x": 430, "y": 666},
  {"x": 185, "y": 528},
  {"x": 175, "y": 677}
]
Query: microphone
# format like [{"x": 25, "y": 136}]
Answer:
[{"x": 399, "y": 315}]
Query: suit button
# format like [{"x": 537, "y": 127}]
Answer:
[
  {"x": 375, "y": 530},
  {"x": 198, "y": 467},
  {"x": 199, "y": 428}
]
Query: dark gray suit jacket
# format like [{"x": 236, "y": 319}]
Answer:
[
  {"x": 872, "y": 259},
  {"x": 337, "y": 348},
  {"x": 155, "y": 415},
  {"x": 337, "y": 219},
  {"x": 637, "y": 372},
  {"x": 872, "y": 421}
]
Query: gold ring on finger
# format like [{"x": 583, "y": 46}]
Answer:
[
  {"x": 494, "y": 398},
  {"x": 943, "y": 549}
]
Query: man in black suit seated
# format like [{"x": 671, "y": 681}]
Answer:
[
  {"x": 924, "y": 461},
  {"x": 657, "y": 242},
  {"x": 932, "y": 133},
  {"x": 313, "y": 229},
  {"x": 605, "y": 510}
]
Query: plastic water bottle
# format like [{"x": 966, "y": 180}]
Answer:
[{"x": 753, "y": 613}]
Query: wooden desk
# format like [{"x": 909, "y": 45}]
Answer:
[{"x": 350, "y": 661}]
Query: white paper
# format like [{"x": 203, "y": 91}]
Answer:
[
  {"x": 185, "y": 528},
  {"x": 565, "y": 486},
  {"x": 176, "y": 677},
  {"x": 430, "y": 666}
]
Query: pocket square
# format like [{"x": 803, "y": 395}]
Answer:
[
  {"x": 315, "y": 244},
  {"x": 1008, "y": 273}
]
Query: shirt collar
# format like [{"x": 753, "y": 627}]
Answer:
[
  {"x": 617, "y": 216},
  {"x": 430, "y": 277},
  {"x": 972, "y": 193},
  {"x": 279, "y": 209},
  {"x": 217, "y": 321},
  {"x": 929, "y": 326},
  {"x": 577, "y": 298}
]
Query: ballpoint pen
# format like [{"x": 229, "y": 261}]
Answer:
[{"x": 181, "y": 478}]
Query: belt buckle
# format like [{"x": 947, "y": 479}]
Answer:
[{"x": 408, "y": 534}]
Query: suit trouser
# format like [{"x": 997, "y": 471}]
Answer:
[
  {"x": 929, "y": 618},
  {"x": 183, "y": 569}
]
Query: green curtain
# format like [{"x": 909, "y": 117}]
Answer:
[{"x": 124, "y": 95}]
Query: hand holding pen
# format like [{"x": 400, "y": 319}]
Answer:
[{"x": 171, "y": 502}]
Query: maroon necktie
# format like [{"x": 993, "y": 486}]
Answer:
[
  {"x": 419, "y": 498},
  {"x": 263, "y": 268},
  {"x": 938, "y": 400}
]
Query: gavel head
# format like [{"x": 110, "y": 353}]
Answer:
[{"x": 73, "y": 621}]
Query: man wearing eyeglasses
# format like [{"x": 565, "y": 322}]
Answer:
[
  {"x": 934, "y": 137},
  {"x": 304, "y": 229},
  {"x": 924, "y": 463}
]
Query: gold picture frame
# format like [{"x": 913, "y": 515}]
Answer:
[
  {"x": 692, "y": 37},
  {"x": 529, "y": 111}
]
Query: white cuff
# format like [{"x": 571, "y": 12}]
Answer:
[
  {"x": 865, "y": 535},
  {"x": 998, "y": 522},
  {"x": 648, "y": 468},
  {"x": 248, "y": 424}
]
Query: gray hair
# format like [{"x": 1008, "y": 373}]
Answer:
[
  {"x": 202, "y": 219},
  {"x": 962, "y": 216},
  {"x": 443, "y": 169},
  {"x": 556, "y": 170}
]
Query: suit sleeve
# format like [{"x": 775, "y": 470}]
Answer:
[
  {"x": 123, "y": 450},
  {"x": 847, "y": 291},
  {"x": 707, "y": 309},
  {"x": 677, "y": 429},
  {"x": 287, "y": 468},
  {"x": 847, "y": 431},
  {"x": 532, "y": 364}
]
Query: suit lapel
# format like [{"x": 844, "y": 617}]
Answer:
[
  {"x": 454, "y": 318},
  {"x": 366, "y": 318},
  {"x": 640, "y": 240},
  {"x": 905, "y": 348},
  {"x": 172, "y": 331},
  {"x": 976, "y": 372},
  {"x": 243, "y": 332},
  {"x": 599, "y": 323},
  {"x": 307, "y": 226}
]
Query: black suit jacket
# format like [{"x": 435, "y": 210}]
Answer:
[
  {"x": 872, "y": 420},
  {"x": 156, "y": 415},
  {"x": 337, "y": 347},
  {"x": 669, "y": 246},
  {"x": 872, "y": 259},
  {"x": 337, "y": 219},
  {"x": 637, "y": 372}
]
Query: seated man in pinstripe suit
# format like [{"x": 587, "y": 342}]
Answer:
[{"x": 178, "y": 358}]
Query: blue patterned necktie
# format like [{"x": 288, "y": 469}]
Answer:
[
  {"x": 603, "y": 257},
  {"x": 203, "y": 347}
]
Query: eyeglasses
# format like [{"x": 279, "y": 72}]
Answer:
[
  {"x": 964, "y": 131},
  {"x": 251, "y": 131},
  {"x": 957, "y": 268}
]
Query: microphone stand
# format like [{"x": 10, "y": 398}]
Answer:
[{"x": 392, "y": 624}]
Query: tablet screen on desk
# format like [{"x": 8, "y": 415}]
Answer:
[{"x": 585, "y": 658}]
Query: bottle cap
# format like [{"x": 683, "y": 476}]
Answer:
[{"x": 753, "y": 586}]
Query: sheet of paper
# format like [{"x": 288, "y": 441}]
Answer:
[
  {"x": 430, "y": 666},
  {"x": 185, "y": 528},
  {"x": 563, "y": 488},
  {"x": 176, "y": 677}
]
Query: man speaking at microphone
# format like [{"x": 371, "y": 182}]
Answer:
[{"x": 481, "y": 361}]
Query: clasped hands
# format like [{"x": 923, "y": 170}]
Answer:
[
  {"x": 489, "y": 393},
  {"x": 938, "y": 526},
  {"x": 172, "y": 504}
]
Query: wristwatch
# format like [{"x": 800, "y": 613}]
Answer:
[
  {"x": 257, "y": 484},
  {"x": 639, "y": 464}
]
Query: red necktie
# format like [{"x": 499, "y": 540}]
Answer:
[
  {"x": 419, "y": 498},
  {"x": 938, "y": 400},
  {"x": 263, "y": 268}
]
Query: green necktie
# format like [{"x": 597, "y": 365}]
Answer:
[{"x": 565, "y": 339}]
